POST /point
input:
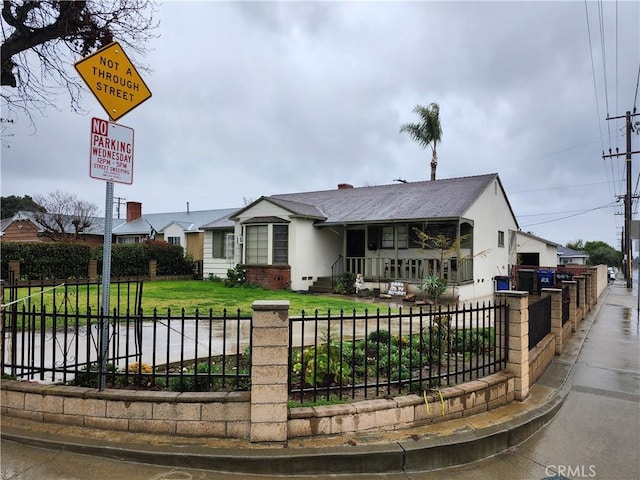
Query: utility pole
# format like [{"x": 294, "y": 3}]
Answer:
[
  {"x": 626, "y": 235},
  {"x": 118, "y": 201}
]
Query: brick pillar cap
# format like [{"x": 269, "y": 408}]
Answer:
[
  {"x": 271, "y": 305},
  {"x": 511, "y": 293}
]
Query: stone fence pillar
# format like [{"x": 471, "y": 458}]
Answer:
[
  {"x": 153, "y": 269},
  {"x": 579, "y": 279},
  {"x": 556, "y": 314},
  {"x": 572, "y": 285},
  {"x": 270, "y": 371},
  {"x": 14, "y": 268},
  {"x": 588, "y": 300},
  {"x": 518, "y": 354},
  {"x": 93, "y": 270}
]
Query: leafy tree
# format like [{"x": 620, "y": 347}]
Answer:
[
  {"x": 428, "y": 132},
  {"x": 601, "y": 253},
  {"x": 447, "y": 246},
  {"x": 12, "y": 204},
  {"x": 578, "y": 245},
  {"x": 65, "y": 216},
  {"x": 40, "y": 39}
]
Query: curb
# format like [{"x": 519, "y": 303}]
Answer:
[{"x": 405, "y": 456}]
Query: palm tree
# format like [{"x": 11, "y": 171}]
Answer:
[{"x": 428, "y": 132}]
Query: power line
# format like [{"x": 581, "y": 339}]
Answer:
[
  {"x": 570, "y": 216},
  {"x": 560, "y": 187}
]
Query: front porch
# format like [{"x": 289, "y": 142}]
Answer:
[{"x": 407, "y": 269}]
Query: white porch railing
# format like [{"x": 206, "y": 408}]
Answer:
[{"x": 409, "y": 269}]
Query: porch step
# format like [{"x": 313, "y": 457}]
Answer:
[{"x": 321, "y": 285}]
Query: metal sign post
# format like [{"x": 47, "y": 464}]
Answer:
[
  {"x": 106, "y": 285},
  {"x": 117, "y": 86}
]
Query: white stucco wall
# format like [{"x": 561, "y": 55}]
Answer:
[
  {"x": 548, "y": 253},
  {"x": 174, "y": 230},
  {"x": 490, "y": 214},
  {"x": 312, "y": 250}
]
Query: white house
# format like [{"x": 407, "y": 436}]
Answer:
[
  {"x": 536, "y": 251},
  {"x": 568, "y": 256},
  {"x": 297, "y": 240},
  {"x": 178, "y": 228}
]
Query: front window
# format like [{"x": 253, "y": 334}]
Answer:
[
  {"x": 127, "y": 240},
  {"x": 173, "y": 240},
  {"x": 500, "y": 239},
  {"x": 230, "y": 246},
  {"x": 280, "y": 244},
  {"x": 222, "y": 245},
  {"x": 388, "y": 237},
  {"x": 256, "y": 244},
  {"x": 403, "y": 236}
]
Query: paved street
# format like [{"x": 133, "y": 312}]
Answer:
[{"x": 595, "y": 434}]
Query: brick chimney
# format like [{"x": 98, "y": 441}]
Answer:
[
  {"x": 344, "y": 186},
  {"x": 134, "y": 211}
]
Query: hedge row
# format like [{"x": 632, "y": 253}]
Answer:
[{"x": 40, "y": 261}]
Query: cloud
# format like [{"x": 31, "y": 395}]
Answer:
[{"x": 259, "y": 98}]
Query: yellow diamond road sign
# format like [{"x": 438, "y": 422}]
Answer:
[{"x": 113, "y": 79}]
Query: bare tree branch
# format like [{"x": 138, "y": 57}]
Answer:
[
  {"x": 41, "y": 40},
  {"x": 66, "y": 217}
]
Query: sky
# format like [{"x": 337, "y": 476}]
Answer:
[{"x": 256, "y": 99}]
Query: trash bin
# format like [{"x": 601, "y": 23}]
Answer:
[
  {"x": 502, "y": 282},
  {"x": 562, "y": 276},
  {"x": 545, "y": 279},
  {"x": 525, "y": 280}
]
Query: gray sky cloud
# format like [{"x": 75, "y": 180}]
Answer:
[{"x": 254, "y": 99}]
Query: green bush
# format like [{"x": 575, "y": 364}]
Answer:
[
  {"x": 346, "y": 284},
  {"x": 236, "y": 277},
  {"x": 43, "y": 261},
  {"x": 322, "y": 366}
]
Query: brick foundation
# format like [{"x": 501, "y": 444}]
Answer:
[{"x": 272, "y": 277}]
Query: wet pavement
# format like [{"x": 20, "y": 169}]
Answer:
[{"x": 582, "y": 420}]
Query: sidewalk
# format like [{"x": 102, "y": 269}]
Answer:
[{"x": 410, "y": 450}]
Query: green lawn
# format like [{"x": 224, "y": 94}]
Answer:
[
  {"x": 204, "y": 295},
  {"x": 192, "y": 295}
]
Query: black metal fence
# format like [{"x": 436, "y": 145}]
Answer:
[
  {"x": 53, "y": 334},
  {"x": 539, "y": 320},
  {"x": 368, "y": 356}
]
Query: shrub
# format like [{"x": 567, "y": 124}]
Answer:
[
  {"x": 434, "y": 286},
  {"x": 43, "y": 261},
  {"x": 236, "y": 277},
  {"x": 322, "y": 366},
  {"x": 345, "y": 284}
]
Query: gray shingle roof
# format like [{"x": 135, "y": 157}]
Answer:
[
  {"x": 96, "y": 228},
  {"x": 189, "y": 221},
  {"x": 447, "y": 198},
  {"x": 568, "y": 252}
]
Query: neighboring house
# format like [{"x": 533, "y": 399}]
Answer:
[
  {"x": 23, "y": 227},
  {"x": 295, "y": 240},
  {"x": 567, "y": 256},
  {"x": 177, "y": 228},
  {"x": 220, "y": 247},
  {"x": 535, "y": 251}
]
